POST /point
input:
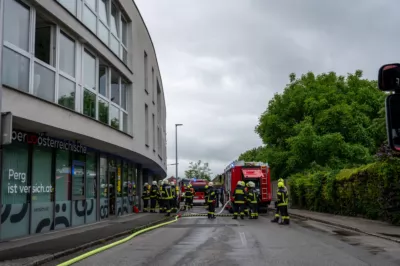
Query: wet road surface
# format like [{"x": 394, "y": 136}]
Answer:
[{"x": 223, "y": 241}]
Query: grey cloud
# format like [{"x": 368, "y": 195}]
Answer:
[{"x": 222, "y": 61}]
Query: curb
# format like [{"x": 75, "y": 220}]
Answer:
[
  {"x": 93, "y": 243},
  {"x": 344, "y": 227}
]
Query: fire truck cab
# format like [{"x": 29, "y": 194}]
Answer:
[{"x": 257, "y": 172}]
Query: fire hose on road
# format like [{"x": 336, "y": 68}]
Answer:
[{"x": 116, "y": 243}]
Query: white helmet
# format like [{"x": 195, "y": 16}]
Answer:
[
  {"x": 146, "y": 184},
  {"x": 251, "y": 184},
  {"x": 239, "y": 183},
  {"x": 154, "y": 183},
  {"x": 210, "y": 184},
  {"x": 165, "y": 182},
  {"x": 172, "y": 183}
]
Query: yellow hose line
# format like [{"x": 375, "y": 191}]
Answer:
[{"x": 116, "y": 243}]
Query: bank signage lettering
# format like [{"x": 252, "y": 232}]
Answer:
[
  {"x": 22, "y": 188},
  {"x": 46, "y": 141}
]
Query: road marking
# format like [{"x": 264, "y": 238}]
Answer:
[{"x": 243, "y": 238}]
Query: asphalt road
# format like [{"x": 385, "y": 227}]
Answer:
[{"x": 223, "y": 241}]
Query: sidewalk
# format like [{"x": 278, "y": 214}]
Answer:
[
  {"x": 370, "y": 227},
  {"x": 59, "y": 243}
]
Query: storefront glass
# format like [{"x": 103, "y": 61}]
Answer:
[
  {"x": 15, "y": 191},
  {"x": 50, "y": 184},
  {"x": 91, "y": 187},
  {"x": 103, "y": 188},
  {"x": 41, "y": 190},
  {"x": 63, "y": 192}
]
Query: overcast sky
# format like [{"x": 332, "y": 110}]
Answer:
[{"x": 222, "y": 61}]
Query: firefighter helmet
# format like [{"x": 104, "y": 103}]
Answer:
[
  {"x": 210, "y": 184},
  {"x": 172, "y": 183},
  {"x": 146, "y": 184},
  {"x": 251, "y": 184},
  {"x": 165, "y": 182},
  {"x": 280, "y": 185},
  {"x": 280, "y": 180},
  {"x": 154, "y": 183}
]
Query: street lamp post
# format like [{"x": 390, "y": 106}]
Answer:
[{"x": 176, "y": 150}]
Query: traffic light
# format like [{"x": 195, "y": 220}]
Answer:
[{"x": 389, "y": 80}]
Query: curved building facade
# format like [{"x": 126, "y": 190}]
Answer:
[{"x": 82, "y": 82}]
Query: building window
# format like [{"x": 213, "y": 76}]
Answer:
[
  {"x": 114, "y": 117},
  {"x": 41, "y": 59},
  {"x": 104, "y": 18},
  {"x": 145, "y": 64},
  {"x": 16, "y": 24},
  {"x": 89, "y": 103},
  {"x": 146, "y": 118},
  {"x": 153, "y": 86},
  {"x": 70, "y": 5},
  {"x": 154, "y": 132}
]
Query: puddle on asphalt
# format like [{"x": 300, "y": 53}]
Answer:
[{"x": 201, "y": 225}]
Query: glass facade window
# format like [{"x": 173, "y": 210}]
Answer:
[
  {"x": 89, "y": 75},
  {"x": 15, "y": 70},
  {"x": 44, "y": 82},
  {"x": 42, "y": 189},
  {"x": 70, "y": 5},
  {"x": 16, "y": 24},
  {"x": 114, "y": 117},
  {"x": 63, "y": 184},
  {"x": 103, "y": 80},
  {"x": 103, "y": 111},
  {"x": 89, "y": 104},
  {"x": 67, "y": 56},
  {"x": 66, "y": 93},
  {"x": 89, "y": 19},
  {"x": 50, "y": 186},
  {"x": 115, "y": 90}
]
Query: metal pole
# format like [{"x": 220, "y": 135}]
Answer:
[
  {"x": 176, "y": 152},
  {"x": 1, "y": 100}
]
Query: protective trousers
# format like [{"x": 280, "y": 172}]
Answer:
[
  {"x": 238, "y": 210},
  {"x": 277, "y": 215},
  {"x": 211, "y": 210},
  {"x": 167, "y": 206},
  {"x": 283, "y": 210},
  {"x": 145, "y": 205},
  {"x": 153, "y": 202},
  {"x": 254, "y": 210},
  {"x": 161, "y": 205},
  {"x": 188, "y": 203},
  {"x": 173, "y": 205}
]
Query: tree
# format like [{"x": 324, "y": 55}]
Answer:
[
  {"x": 198, "y": 170},
  {"x": 324, "y": 120}
]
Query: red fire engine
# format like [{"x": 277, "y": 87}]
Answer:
[
  {"x": 257, "y": 172},
  {"x": 199, "y": 186}
]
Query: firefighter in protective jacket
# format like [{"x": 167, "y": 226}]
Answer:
[
  {"x": 276, "y": 203},
  {"x": 211, "y": 200},
  {"x": 282, "y": 204},
  {"x": 166, "y": 197},
  {"x": 188, "y": 197},
  {"x": 252, "y": 200},
  {"x": 146, "y": 197},
  {"x": 154, "y": 193},
  {"x": 239, "y": 199},
  {"x": 173, "y": 201}
]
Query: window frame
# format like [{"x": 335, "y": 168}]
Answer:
[{"x": 79, "y": 50}]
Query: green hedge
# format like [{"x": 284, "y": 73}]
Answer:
[{"x": 371, "y": 191}]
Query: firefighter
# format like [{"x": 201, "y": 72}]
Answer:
[
  {"x": 239, "y": 200},
  {"x": 188, "y": 197},
  {"x": 282, "y": 203},
  {"x": 276, "y": 203},
  {"x": 252, "y": 200},
  {"x": 154, "y": 192},
  {"x": 146, "y": 197},
  {"x": 246, "y": 205},
  {"x": 160, "y": 200},
  {"x": 166, "y": 196},
  {"x": 173, "y": 201},
  {"x": 206, "y": 195},
  {"x": 193, "y": 193},
  {"x": 211, "y": 200}
]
